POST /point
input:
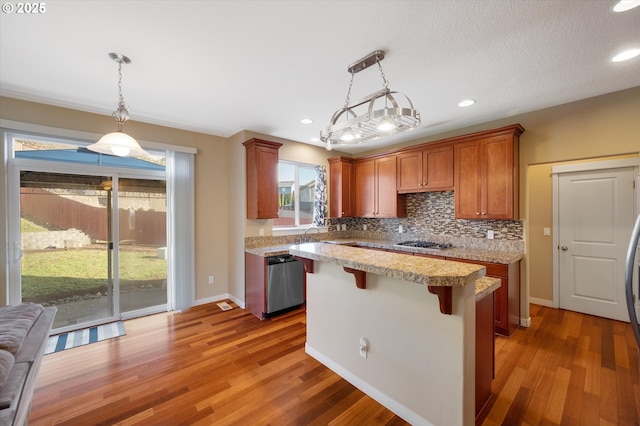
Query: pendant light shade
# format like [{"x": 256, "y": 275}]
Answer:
[{"x": 119, "y": 143}]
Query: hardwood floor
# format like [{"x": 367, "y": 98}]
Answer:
[
  {"x": 206, "y": 366},
  {"x": 569, "y": 369}
]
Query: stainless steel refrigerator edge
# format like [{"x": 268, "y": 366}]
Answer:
[{"x": 630, "y": 267}]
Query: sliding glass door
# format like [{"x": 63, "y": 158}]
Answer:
[
  {"x": 88, "y": 232},
  {"x": 67, "y": 248},
  {"x": 142, "y": 249},
  {"x": 94, "y": 265}
]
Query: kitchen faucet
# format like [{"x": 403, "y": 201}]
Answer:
[{"x": 304, "y": 238}]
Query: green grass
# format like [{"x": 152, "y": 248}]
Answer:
[
  {"x": 26, "y": 226},
  {"x": 54, "y": 274}
]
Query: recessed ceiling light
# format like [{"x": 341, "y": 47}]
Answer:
[
  {"x": 624, "y": 5},
  {"x": 306, "y": 121},
  {"x": 626, "y": 55},
  {"x": 467, "y": 102}
]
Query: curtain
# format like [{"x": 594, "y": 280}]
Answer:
[
  {"x": 320, "y": 197},
  {"x": 181, "y": 230}
]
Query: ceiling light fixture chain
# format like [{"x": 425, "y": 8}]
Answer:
[
  {"x": 346, "y": 101},
  {"x": 122, "y": 113},
  {"x": 347, "y": 126},
  {"x": 385, "y": 82},
  {"x": 119, "y": 143}
]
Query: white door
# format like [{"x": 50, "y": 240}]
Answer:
[{"x": 596, "y": 214}]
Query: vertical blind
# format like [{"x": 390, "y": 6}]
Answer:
[{"x": 181, "y": 235}]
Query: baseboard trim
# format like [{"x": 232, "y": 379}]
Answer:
[
  {"x": 525, "y": 322},
  {"x": 541, "y": 302},
  {"x": 218, "y": 298},
  {"x": 390, "y": 403}
]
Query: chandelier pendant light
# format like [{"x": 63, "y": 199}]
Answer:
[
  {"x": 360, "y": 121},
  {"x": 119, "y": 143}
]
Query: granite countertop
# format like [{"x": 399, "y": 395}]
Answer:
[
  {"x": 485, "y": 286},
  {"x": 267, "y": 251},
  {"x": 493, "y": 256},
  {"x": 421, "y": 270}
]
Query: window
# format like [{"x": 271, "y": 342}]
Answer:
[{"x": 296, "y": 194}]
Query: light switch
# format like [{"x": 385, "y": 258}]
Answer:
[{"x": 546, "y": 232}]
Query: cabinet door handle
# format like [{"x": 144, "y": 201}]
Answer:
[
  {"x": 477, "y": 213},
  {"x": 484, "y": 213}
]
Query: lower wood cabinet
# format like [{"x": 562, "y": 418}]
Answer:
[
  {"x": 255, "y": 284},
  {"x": 507, "y": 297},
  {"x": 433, "y": 256},
  {"x": 485, "y": 352}
]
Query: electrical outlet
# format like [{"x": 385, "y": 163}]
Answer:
[
  {"x": 344, "y": 226},
  {"x": 546, "y": 232},
  {"x": 211, "y": 279},
  {"x": 400, "y": 229},
  {"x": 364, "y": 347},
  {"x": 261, "y": 232},
  {"x": 490, "y": 235},
  {"x": 364, "y": 227}
]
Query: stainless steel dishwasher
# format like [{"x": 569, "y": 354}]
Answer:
[{"x": 285, "y": 283}]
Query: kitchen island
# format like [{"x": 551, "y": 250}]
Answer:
[{"x": 418, "y": 359}]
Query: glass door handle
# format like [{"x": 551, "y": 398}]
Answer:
[
  {"x": 628, "y": 279},
  {"x": 18, "y": 253}
]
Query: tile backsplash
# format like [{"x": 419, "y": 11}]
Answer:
[{"x": 432, "y": 213}]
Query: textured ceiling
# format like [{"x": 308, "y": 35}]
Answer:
[{"x": 219, "y": 67}]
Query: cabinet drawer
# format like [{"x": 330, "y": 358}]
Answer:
[{"x": 493, "y": 269}]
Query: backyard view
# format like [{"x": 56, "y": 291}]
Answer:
[
  {"x": 67, "y": 260},
  {"x": 54, "y": 276}
]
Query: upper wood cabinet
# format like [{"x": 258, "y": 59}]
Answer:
[
  {"x": 341, "y": 187},
  {"x": 486, "y": 175},
  {"x": 427, "y": 169},
  {"x": 262, "y": 178},
  {"x": 375, "y": 189}
]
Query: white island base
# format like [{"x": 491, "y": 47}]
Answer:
[{"x": 420, "y": 363}]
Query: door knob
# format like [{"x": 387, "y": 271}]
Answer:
[{"x": 564, "y": 248}]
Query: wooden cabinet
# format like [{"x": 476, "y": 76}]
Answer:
[
  {"x": 375, "y": 189},
  {"x": 427, "y": 169},
  {"x": 485, "y": 353},
  {"x": 341, "y": 187},
  {"x": 486, "y": 176},
  {"x": 433, "y": 256},
  {"x": 262, "y": 179},
  {"x": 507, "y": 297},
  {"x": 255, "y": 284}
]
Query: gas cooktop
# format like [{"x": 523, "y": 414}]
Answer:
[{"x": 425, "y": 244}]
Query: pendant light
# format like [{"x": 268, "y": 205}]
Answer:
[
  {"x": 359, "y": 121},
  {"x": 119, "y": 143}
]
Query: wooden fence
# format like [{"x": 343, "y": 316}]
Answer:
[{"x": 142, "y": 227}]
